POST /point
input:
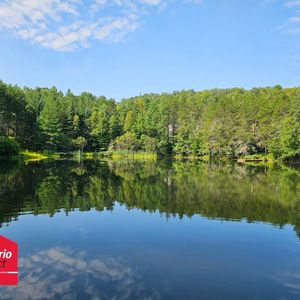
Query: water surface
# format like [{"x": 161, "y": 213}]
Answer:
[{"x": 152, "y": 230}]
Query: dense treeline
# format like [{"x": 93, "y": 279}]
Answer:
[{"x": 227, "y": 122}]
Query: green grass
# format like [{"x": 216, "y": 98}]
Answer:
[
  {"x": 257, "y": 157},
  {"x": 37, "y": 156},
  {"x": 126, "y": 154}
]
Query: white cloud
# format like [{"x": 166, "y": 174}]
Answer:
[
  {"x": 194, "y": 1},
  {"x": 292, "y": 24},
  {"x": 66, "y": 25},
  {"x": 150, "y": 2},
  {"x": 292, "y": 3},
  {"x": 295, "y": 19}
]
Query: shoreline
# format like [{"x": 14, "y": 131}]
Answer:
[{"x": 30, "y": 156}]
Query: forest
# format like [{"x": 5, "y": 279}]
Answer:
[{"x": 216, "y": 123}]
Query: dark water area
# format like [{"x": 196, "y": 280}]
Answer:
[{"x": 123, "y": 229}]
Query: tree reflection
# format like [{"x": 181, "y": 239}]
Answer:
[{"x": 215, "y": 190}]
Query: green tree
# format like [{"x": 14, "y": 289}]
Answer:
[{"x": 80, "y": 142}]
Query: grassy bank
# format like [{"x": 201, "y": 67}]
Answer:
[
  {"x": 126, "y": 154},
  {"x": 145, "y": 155},
  {"x": 257, "y": 158},
  {"x": 30, "y": 156},
  {"x": 37, "y": 156}
]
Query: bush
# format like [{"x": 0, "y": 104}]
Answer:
[
  {"x": 149, "y": 143},
  {"x": 125, "y": 142},
  {"x": 8, "y": 147}
]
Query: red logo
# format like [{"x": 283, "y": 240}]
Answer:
[{"x": 8, "y": 262}]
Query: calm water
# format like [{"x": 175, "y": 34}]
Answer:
[{"x": 152, "y": 230}]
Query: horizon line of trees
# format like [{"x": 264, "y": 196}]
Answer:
[{"x": 219, "y": 122}]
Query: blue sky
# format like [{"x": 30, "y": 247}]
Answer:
[{"x": 121, "y": 48}]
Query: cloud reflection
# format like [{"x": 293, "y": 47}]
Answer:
[
  {"x": 62, "y": 273},
  {"x": 291, "y": 281}
]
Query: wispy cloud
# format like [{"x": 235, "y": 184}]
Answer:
[
  {"x": 292, "y": 24},
  {"x": 292, "y": 3},
  {"x": 66, "y": 25}
]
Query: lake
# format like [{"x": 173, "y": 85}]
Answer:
[{"x": 124, "y": 229}]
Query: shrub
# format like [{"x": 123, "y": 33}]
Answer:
[
  {"x": 8, "y": 147},
  {"x": 149, "y": 143},
  {"x": 125, "y": 142}
]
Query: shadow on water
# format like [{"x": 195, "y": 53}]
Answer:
[{"x": 214, "y": 190}]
